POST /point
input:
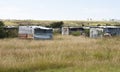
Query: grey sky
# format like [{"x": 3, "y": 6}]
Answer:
[{"x": 59, "y": 9}]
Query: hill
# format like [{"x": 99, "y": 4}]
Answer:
[{"x": 66, "y": 22}]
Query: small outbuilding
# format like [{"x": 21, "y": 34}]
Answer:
[
  {"x": 35, "y": 32},
  {"x": 100, "y": 31},
  {"x": 65, "y": 30},
  {"x": 96, "y": 32}
]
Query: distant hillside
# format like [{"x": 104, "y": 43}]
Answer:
[{"x": 66, "y": 23}]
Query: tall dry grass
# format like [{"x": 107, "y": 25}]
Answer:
[{"x": 63, "y": 52}]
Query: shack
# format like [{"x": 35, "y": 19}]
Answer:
[
  {"x": 101, "y": 31},
  {"x": 96, "y": 32},
  {"x": 35, "y": 32},
  {"x": 65, "y": 30}
]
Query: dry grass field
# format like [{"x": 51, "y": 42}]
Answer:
[
  {"x": 66, "y": 22},
  {"x": 62, "y": 54}
]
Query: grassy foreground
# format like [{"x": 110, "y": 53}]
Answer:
[{"x": 62, "y": 54}]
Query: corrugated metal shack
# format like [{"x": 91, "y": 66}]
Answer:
[
  {"x": 65, "y": 30},
  {"x": 35, "y": 32},
  {"x": 100, "y": 31},
  {"x": 96, "y": 32}
]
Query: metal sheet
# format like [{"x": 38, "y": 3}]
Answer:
[
  {"x": 96, "y": 32},
  {"x": 35, "y": 32},
  {"x": 25, "y": 30}
]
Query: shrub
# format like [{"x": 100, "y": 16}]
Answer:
[
  {"x": 76, "y": 33},
  {"x": 56, "y": 31},
  {"x": 11, "y": 33},
  {"x": 87, "y": 32},
  {"x": 57, "y": 24},
  {"x": 1, "y": 24},
  {"x": 2, "y": 32}
]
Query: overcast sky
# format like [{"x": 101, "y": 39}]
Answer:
[{"x": 60, "y": 9}]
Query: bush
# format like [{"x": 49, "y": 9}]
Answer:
[
  {"x": 8, "y": 33},
  {"x": 2, "y": 32},
  {"x": 87, "y": 32},
  {"x": 76, "y": 33},
  {"x": 57, "y": 24},
  {"x": 56, "y": 31},
  {"x": 11, "y": 33},
  {"x": 1, "y": 24}
]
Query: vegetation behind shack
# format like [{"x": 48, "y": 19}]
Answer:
[{"x": 8, "y": 32}]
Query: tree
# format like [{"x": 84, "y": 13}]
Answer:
[
  {"x": 98, "y": 24},
  {"x": 2, "y": 32},
  {"x": 57, "y": 24},
  {"x": 1, "y": 24}
]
